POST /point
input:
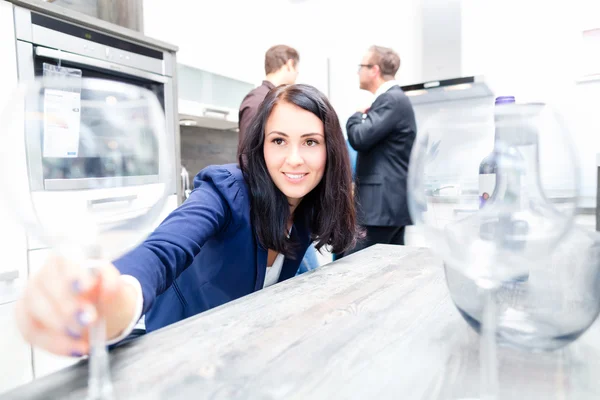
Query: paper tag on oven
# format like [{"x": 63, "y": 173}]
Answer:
[{"x": 62, "y": 120}]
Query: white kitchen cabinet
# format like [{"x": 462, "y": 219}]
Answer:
[
  {"x": 13, "y": 247},
  {"x": 37, "y": 258},
  {"x": 208, "y": 88},
  {"x": 45, "y": 363},
  {"x": 212, "y": 100},
  {"x": 13, "y": 277},
  {"x": 15, "y": 353}
]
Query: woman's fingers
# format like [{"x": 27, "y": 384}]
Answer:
[{"x": 59, "y": 342}]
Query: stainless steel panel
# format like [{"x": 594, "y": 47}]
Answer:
[
  {"x": 22, "y": 23},
  {"x": 598, "y": 197},
  {"x": 8, "y": 77},
  {"x": 172, "y": 122},
  {"x": 118, "y": 199},
  {"x": 94, "y": 23},
  {"x": 83, "y": 60},
  {"x": 61, "y": 41},
  {"x": 92, "y": 183},
  {"x": 169, "y": 64},
  {"x": 25, "y": 61},
  {"x": 111, "y": 203},
  {"x": 15, "y": 359},
  {"x": 173, "y": 136},
  {"x": 57, "y": 45},
  {"x": 33, "y": 144}
]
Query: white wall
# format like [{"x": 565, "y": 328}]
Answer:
[
  {"x": 225, "y": 37},
  {"x": 318, "y": 29},
  {"x": 528, "y": 48},
  {"x": 356, "y": 25},
  {"x": 533, "y": 49}
]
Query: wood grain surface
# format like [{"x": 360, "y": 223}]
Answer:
[{"x": 375, "y": 325}]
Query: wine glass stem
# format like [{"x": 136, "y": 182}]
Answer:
[
  {"x": 99, "y": 382},
  {"x": 487, "y": 356}
]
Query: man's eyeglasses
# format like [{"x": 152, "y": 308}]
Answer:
[{"x": 364, "y": 65}]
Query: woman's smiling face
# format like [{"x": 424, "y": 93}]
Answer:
[{"x": 294, "y": 150}]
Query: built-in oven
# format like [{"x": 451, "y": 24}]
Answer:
[{"x": 43, "y": 41}]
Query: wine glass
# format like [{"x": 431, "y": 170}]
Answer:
[
  {"x": 495, "y": 188},
  {"x": 87, "y": 174}
]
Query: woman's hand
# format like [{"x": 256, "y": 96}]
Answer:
[{"x": 63, "y": 299}]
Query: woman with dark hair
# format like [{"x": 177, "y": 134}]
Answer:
[{"x": 244, "y": 227}]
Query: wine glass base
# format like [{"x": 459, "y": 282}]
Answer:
[{"x": 103, "y": 397}]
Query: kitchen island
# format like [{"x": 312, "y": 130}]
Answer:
[{"x": 378, "y": 324}]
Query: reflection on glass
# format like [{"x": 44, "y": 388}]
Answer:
[
  {"x": 498, "y": 252},
  {"x": 86, "y": 128}
]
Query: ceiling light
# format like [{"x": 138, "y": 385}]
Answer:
[
  {"x": 188, "y": 122},
  {"x": 463, "y": 86},
  {"x": 433, "y": 84},
  {"x": 412, "y": 93}
]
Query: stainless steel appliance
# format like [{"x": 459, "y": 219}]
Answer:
[
  {"x": 33, "y": 32},
  {"x": 43, "y": 39},
  {"x": 598, "y": 192}
]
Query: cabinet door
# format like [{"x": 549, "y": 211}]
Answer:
[
  {"x": 13, "y": 268},
  {"x": 15, "y": 354},
  {"x": 13, "y": 242},
  {"x": 213, "y": 90},
  {"x": 45, "y": 363}
]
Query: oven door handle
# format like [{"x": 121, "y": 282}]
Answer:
[
  {"x": 9, "y": 276},
  {"x": 74, "y": 58}
]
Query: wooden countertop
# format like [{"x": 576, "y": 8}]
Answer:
[{"x": 376, "y": 325}]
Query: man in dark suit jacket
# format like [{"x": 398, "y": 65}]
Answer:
[{"x": 383, "y": 136}]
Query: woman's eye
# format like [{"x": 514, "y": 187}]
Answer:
[
  {"x": 278, "y": 141},
  {"x": 311, "y": 142}
]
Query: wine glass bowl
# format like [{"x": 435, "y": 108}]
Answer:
[
  {"x": 547, "y": 309},
  {"x": 88, "y": 174},
  {"x": 515, "y": 235},
  {"x": 86, "y": 195}
]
